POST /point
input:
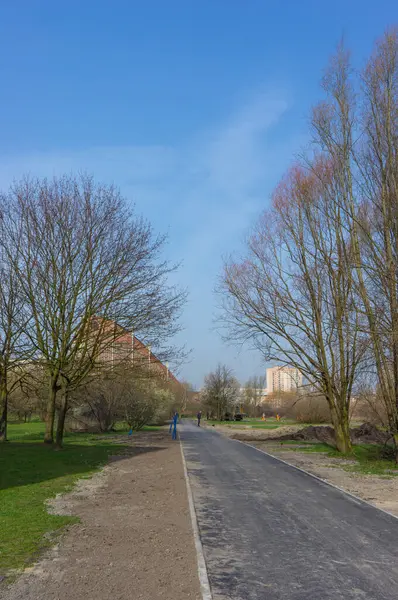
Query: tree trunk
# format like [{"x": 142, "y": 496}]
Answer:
[
  {"x": 396, "y": 447},
  {"x": 62, "y": 416},
  {"x": 342, "y": 431},
  {"x": 4, "y": 414},
  {"x": 50, "y": 411}
]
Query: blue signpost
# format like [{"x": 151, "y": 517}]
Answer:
[{"x": 173, "y": 426}]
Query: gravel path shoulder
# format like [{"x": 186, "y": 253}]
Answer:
[
  {"x": 379, "y": 491},
  {"x": 134, "y": 539}
]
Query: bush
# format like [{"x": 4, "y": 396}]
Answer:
[
  {"x": 146, "y": 403},
  {"x": 368, "y": 406},
  {"x": 310, "y": 409},
  {"x": 279, "y": 403},
  {"x": 267, "y": 409},
  {"x": 97, "y": 405},
  {"x": 129, "y": 395}
]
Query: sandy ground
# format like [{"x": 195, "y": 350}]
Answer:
[
  {"x": 247, "y": 432},
  {"x": 135, "y": 537},
  {"x": 379, "y": 491}
]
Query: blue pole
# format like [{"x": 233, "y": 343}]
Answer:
[{"x": 174, "y": 425}]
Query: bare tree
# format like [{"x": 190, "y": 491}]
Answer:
[
  {"x": 359, "y": 132},
  {"x": 125, "y": 393},
  {"x": 253, "y": 395},
  {"x": 293, "y": 293},
  {"x": 181, "y": 391},
  {"x": 13, "y": 344},
  {"x": 338, "y": 288},
  {"x": 220, "y": 391},
  {"x": 88, "y": 268},
  {"x": 99, "y": 401},
  {"x": 378, "y": 166}
]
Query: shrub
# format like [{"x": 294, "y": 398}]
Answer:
[
  {"x": 368, "y": 406},
  {"x": 312, "y": 408}
]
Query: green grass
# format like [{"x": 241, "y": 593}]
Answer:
[
  {"x": 370, "y": 458},
  {"x": 305, "y": 446},
  {"x": 34, "y": 430},
  {"x": 30, "y": 473}
]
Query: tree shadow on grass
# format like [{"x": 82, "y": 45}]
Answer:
[{"x": 24, "y": 463}]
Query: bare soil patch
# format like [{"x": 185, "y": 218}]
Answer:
[
  {"x": 247, "y": 433},
  {"x": 379, "y": 491},
  {"x": 365, "y": 433},
  {"x": 134, "y": 539}
]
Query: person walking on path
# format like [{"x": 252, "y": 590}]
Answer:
[{"x": 199, "y": 416}]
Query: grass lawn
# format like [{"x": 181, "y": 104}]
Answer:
[
  {"x": 370, "y": 459},
  {"x": 30, "y": 473}
]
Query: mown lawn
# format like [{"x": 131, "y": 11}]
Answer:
[
  {"x": 30, "y": 473},
  {"x": 371, "y": 459}
]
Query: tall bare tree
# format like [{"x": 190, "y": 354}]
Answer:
[
  {"x": 13, "y": 344},
  {"x": 377, "y": 160},
  {"x": 357, "y": 127},
  {"x": 353, "y": 234},
  {"x": 293, "y": 293},
  {"x": 88, "y": 268}
]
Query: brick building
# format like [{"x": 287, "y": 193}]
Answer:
[{"x": 120, "y": 345}]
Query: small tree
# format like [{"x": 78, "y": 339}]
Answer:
[
  {"x": 253, "y": 395},
  {"x": 102, "y": 400},
  {"x": 310, "y": 408},
  {"x": 145, "y": 402},
  {"x": 220, "y": 392},
  {"x": 180, "y": 391}
]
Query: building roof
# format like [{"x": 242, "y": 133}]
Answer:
[{"x": 124, "y": 337}]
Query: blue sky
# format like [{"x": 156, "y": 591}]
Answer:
[{"x": 193, "y": 108}]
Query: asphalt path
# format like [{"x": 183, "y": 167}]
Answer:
[{"x": 272, "y": 532}]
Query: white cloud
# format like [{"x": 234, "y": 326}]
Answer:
[
  {"x": 231, "y": 168},
  {"x": 206, "y": 192},
  {"x": 235, "y": 155}
]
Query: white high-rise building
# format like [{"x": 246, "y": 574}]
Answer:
[{"x": 283, "y": 379}]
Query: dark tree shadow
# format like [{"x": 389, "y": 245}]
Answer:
[{"x": 25, "y": 463}]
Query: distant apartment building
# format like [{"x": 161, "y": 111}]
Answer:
[{"x": 283, "y": 379}]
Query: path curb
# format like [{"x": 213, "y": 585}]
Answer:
[{"x": 202, "y": 569}]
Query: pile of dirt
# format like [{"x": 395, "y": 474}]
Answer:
[
  {"x": 312, "y": 433},
  {"x": 366, "y": 433},
  {"x": 369, "y": 434},
  {"x": 261, "y": 435}
]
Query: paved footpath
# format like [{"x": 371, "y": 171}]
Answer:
[{"x": 271, "y": 532}]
